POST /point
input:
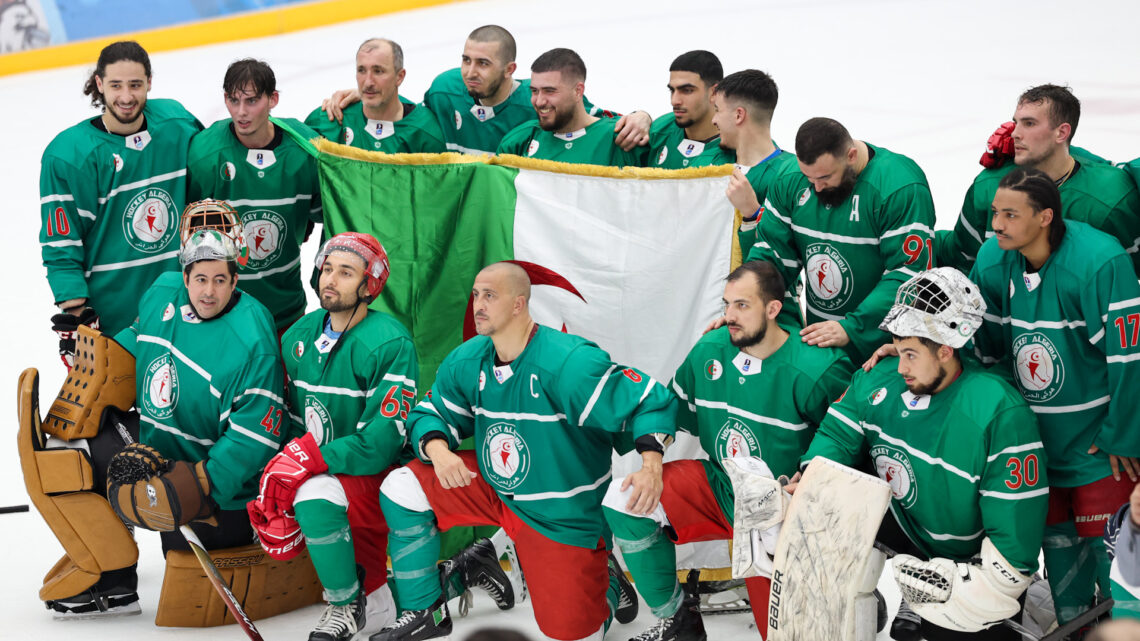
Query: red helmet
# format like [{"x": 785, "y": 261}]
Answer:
[{"x": 368, "y": 248}]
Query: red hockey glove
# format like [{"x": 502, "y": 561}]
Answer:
[
  {"x": 278, "y": 532},
  {"x": 285, "y": 473},
  {"x": 999, "y": 148}
]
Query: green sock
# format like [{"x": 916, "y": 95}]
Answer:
[
  {"x": 1072, "y": 566},
  {"x": 329, "y": 539},
  {"x": 651, "y": 558},
  {"x": 413, "y": 545}
]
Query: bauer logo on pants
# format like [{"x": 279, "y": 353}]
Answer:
[
  {"x": 1040, "y": 371},
  {"x": 505, "y": 457},
  {"x": 160, "y": 385}
]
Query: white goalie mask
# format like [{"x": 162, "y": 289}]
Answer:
[
  {"x": 207, "y": 244},
  {"x": 940, "y": 304}
]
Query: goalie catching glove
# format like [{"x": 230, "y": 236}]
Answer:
[
  {"x": 961, "y": 596},
  {"x": 271, "y": 513},
  {"x": 151, "y": 492}
]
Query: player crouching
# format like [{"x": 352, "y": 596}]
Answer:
[{"x": 961, "y": 452}]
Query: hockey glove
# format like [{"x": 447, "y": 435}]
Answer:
[
  {"x": 999, "y": 148},
  {"x": 66, "y": 324},
  {"x": 286, "y": 471},
  {"x": 278, "y": 532},
  {"x": 153, "y": 493},
  {"x": 967, "y": 597}
]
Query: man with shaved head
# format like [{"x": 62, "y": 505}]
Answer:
[
  {"x": 543, "y": 408},
  {"x": 381, "y": 121}
]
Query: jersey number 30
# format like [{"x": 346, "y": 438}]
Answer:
[{"x": 1024, "y": 471}]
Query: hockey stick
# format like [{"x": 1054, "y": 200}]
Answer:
[
  {"x": 1084, "y": 619},
  {"x": 12, "y": 509},
  {"x": 220, "y": 585}
]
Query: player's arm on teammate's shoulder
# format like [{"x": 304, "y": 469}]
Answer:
[
  {"x": 341, "y": 99},
  {"x": 632, "y": 130}
]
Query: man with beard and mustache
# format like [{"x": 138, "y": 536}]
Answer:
[
  {"x": 961, "y": 451},
  {"x": 381, "y": 121},
  {"x": 111, "y": 192},
  {"x": 746, "y": 389},
  {"x": 687, "y": 136},
  {"x": 565, "y": 131},
  {"x": 864, "y": 222}
]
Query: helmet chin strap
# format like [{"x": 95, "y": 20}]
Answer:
[{"x": 355, "y": 308}]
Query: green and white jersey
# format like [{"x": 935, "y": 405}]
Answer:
[
  {"x": 670, "y": 149},
  {"x": 417, "y": 132},
  {"x": 544, "y": 425},
  {"x": 276, "y": 192},
  {"x": 591, "y": 145},
  {"x": 739, "y": 405},
  {"x": 854, "y": 255},
  {"x": 352, "y": 394},
  {"x": 1096, "y": 193},
  {"x": 208, "y": 390},
  {"x": 963, "y": 464},
  {"x": 110, "y": 207},
  {"x": 1067, "y": 336},
  {"x": 762, "y": 176}
]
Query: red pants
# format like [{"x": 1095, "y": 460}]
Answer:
[
  {"x": 695, "y": 515},
  {"x": 1090, "y": 506}
]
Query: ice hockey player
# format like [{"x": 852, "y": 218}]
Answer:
[
  {"x": 111, "y": 192},
  {"x": 381, "y": 121},
  {"x": 543, "y": 408},
  {"x": 961, "y": 452},
  {"x": 1041, "y": 136},
  {"x": 565, "y": 131},
  {"x": 864, "y": 224},
  {"x": 744, "y": 390},
  {"x": 686, "y": 136},
  {"x": 252, "y": 162},
  {"x": 1064, "y": 315}
]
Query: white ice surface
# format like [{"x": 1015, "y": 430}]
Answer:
[{"x": 927, "y": 79}]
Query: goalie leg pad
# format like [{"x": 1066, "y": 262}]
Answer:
[{"x": 103, "y": 376}]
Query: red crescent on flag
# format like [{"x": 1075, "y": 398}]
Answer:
[{"x": 539, "y": 275}]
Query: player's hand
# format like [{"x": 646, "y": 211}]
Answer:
[
  {"x": 633, "y": 130},
  {"x": 793, "y": 483},
  {"x": 715, "y": 323},
  {"x": 335, "y": 105},
  {"x": 449, "y": 467},
  {"x": 647, "y": 485},
  {"x": 886, "y": 351},
  {"x": 741, "y": 194},
  {"x": 825, "y": 334},
  {"x": 1127, "y": 463}
]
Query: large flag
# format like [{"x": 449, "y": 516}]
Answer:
[{"x": 632, "y": 259}]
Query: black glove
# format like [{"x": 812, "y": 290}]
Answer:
[{"x": 66, "y": 325}]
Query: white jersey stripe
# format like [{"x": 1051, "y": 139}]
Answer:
[
  {"x": 53, "y": 198},
  {"x": 822, "y": 314},
  {"x": 201, "y": 371},
  {"x": 907, "y": 229},
  {"x": 85, "y": 214},
  {"x": 1013, "y": 449},
  {"x": 400, "y": 378},
  {"x": 270, "y": 202},
  {"x": 1066, "y": 409},
  {"x": 771, "y": 209},
  {"x": 63, "y": 243},
  {"x": 1131, "y": 302},
  {"x": 253, "y": 435},
  {"x": 953, "y": 537},
  {"x": 969, "y": 228},
  {"x": 327, "y": 389},
  {"x": 839, "y": 238},
  {"x": 648, "y": 387},
  {"x": 594, "y": 397},
  {"x": 843, "y": 419},
  {"x": 261, "y": 392},
  {"x": 736, "y": 411},
  {"x": 1097, "y": 336},
  {"x": 132, "y": 263},
  {"x": 1039, "y": 324},
  {"x": 175, "y": 431},
  {"x": 1122, "y": 359},
  {"x": 541, "y": 496},
  {"x": 521, "y": 416},
  {"x": 142, "y": 183},
  {"x": 1014, "y": 496},
  {"x": 454, "y": 408},
  {"x": 933, "y": 460}
]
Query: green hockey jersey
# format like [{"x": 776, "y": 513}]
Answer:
[
  {"x": 417, "y": 132},
  {"x": 352, "y": 394},
  {"x": 544, "y": 425},
  {"x": 739, "y": 405},
  {"x": 277, "y": 194},
  {"x": 761, "y": 176},
  {"x": 591, "y": 145},
  {"x": 963, "y": 464},
  {"x": 854, "y": 255},
  {"x": 110, "y": 207},
  {"x": 1067, "y": 335},
  {"x": 208, "y": 390},
  {"x": 670, "y": 149},
  {"x": 1097, "y": 193}
]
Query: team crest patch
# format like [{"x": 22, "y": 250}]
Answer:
[
  {"x": 265, "y": 233},
  {"x": 458, "y": 120},
  {"x": 734, "y": 439},
  {"x": 804, "y": 195},
  {"x": 118, "y": 160},
  {"x": 878, "y": 396},
  {"x": 147, "y": 222},
  {"x": 505, "y": 457},
  {"x": 168, "y": 313},
  {"x": 893, "y": 466},
  {"x": 829, "y": 277},
  {"x": 349, "y": 135},
  {"x": 160, "y": 386},
  {"x": 317, "y": 420},
  {"x": 532, "y": 149},
  {"x": 228, "y": 171},
  {"x": 713, "y": 369},
  {"x": 663, "y": 155},
  {"x": 299, "y": 349},
  {"x": 1040, "y": 370}
]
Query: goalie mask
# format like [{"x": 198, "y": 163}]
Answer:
[
  {"x": 940, "y": 304},
  {"x": 207, "y": 244},
  {"x": 219, "y": 216},
  {"x": 367, "y": 248}
]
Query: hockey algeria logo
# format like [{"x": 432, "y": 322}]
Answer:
[
  {"x": 893, "y": 466},
  {"x": 734, "y": 439},
  {"x": 160, "y": 384},
  {"x": 317, "y": 420},
  {"x": 505, "y": 456},
  {"x": 148, "y": 223},
  {"x": 1040, "y": 370},
  {"x": 265, "y": 233},
  {"x": 829, "y": 277}
]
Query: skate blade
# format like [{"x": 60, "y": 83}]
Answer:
[{"x": 130, "y": 609}]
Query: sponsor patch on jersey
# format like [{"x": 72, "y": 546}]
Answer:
[
  {"x": 713, "y": 369},
  {"x": 877, "y": 397},
  {"x": 299, "y": 349},
  {"x": 1040, "y": 370},
  {"x": 139, "y": 141},
  {"x": 747, "y": 364},
  {"x": 505, "y": 457},
  {"x": 829, "y": 277},
  {"x": 663, "y": 155},
  {"x": 317, "y": 420},
  {"x": 481, "y": 113},
  {"x": 349, "y": 135},
  {"x": 532, "y": 148},
  {"x": 690, "y": 148},
  {"x": 160, "y": 383},
  {"x": 261, "y": 158},
  {"x": 118, "y": 162},
  {"x": 148, "y": 221},
  {"x": 734, "y": 439},
  {"x": 893, "y": 466},
  {"x": 228, "y": 171},
  {"x": 265, "y": 234},
  {"x": 168, "y": 312},
  {"x": 804, "y": 195},
  {"x": 188, "y": 314}
]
